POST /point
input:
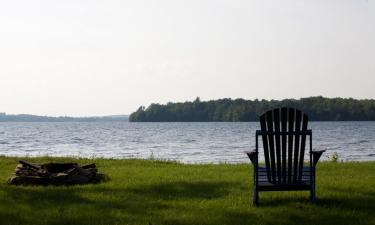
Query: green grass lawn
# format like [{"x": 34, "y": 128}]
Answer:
[{"x": 154, "y": 192}]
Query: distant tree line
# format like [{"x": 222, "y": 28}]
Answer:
[
  {"x": 318, "y": 108},
  {"x": 33, "y": 118}
]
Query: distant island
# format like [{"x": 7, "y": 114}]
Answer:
[
  {"x": 241, "y": 110},
  {"x": 33, "y": 118}
]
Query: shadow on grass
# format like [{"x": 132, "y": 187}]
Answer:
[
  {"x": 71, "y": 206},
  {"x": 185, "y": 190},
  {"x": 328, "y": 211},
  {"x": 101, "y": 204},
  {"x": 176, "y": 203},
  {"x": 360, "y": 200},
  {"x": 40, "y": 205},
  {"x": 339, "y": 205}
]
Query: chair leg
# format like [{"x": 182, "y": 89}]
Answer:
[
  {"x": 312, "y": 195},
  {"x": 255, "y": 197}
]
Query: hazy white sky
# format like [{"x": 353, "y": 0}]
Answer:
[{"x": 75, "y": 57}]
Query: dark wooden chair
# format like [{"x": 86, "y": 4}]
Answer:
[{"x": 284, "y": 132}]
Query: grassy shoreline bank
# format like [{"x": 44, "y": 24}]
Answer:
[{"x": 157, "y": 192}]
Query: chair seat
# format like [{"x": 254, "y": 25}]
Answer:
[{"x": 264, "y": 184}]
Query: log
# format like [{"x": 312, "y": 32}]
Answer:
[
  {"x": 72, "y": 171},
  {"x": 89, "y": 166},
  {"x": 58, "y": 178},
  {"x": 77, "y": 179},
  {"x": 17, "y": 180},
  {"x": 58, "y": 167},
  {"x": 55, "y": 174},
  {"x": 29, "y": 165}
]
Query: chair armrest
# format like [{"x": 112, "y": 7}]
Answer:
[
  {"x": 317, "y": 155},
  {"x": 253, "y": 156}
]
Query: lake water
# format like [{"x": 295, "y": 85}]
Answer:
[{"x": 184, "y": 142}]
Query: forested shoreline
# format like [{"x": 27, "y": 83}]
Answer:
[
  {"x": 241, "y": 110},
  {"x": 34, "y": 118}
]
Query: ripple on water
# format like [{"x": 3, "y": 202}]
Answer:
[{"x": 186, "y": 142}]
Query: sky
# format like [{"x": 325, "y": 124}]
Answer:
[{"x": 108, "y": 57}]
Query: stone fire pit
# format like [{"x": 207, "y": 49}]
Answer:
[{"x": 55, "y": 174}]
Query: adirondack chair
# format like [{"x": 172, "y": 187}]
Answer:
[{"x": 284, "y": 132}]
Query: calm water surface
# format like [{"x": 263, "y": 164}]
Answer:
[{"x": 185, "y": 142}]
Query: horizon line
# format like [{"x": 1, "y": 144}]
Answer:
[{"x": 128, "y": 114}]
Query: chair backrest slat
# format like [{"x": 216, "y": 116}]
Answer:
[
  {"x": 271, "y": 144},
  {"x": 290, "y": 143},
  {"x": 297, "y": 128},
  {"x": 303, "y": 145},
  {"x": 276, "y": 118},
  {"x": 284, "y": 118},
  {"x": 284, "y": 144},
  {"x": 263, "y": 126}
]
